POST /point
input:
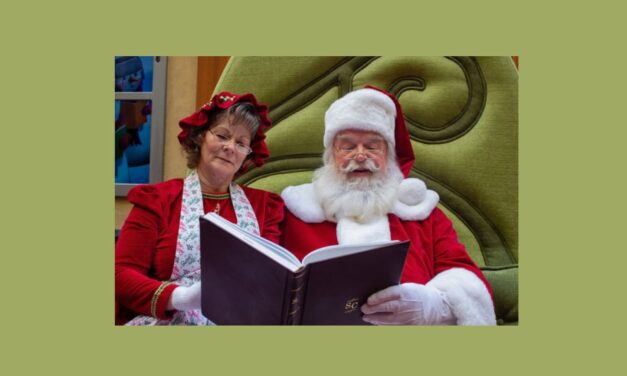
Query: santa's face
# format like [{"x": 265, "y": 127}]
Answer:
[
  {"x": 359, "y": 180},
  {"x": 359, "y": 154}
]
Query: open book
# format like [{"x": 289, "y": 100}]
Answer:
[{"x": 248, "y": 280}]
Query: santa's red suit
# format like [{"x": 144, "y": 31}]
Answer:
[
  {"x": 433, "y": 249},
  {"x": 144, "y": 252},
  {"x": 435, "y": 254},
  {"x": 436, "y": 258}
]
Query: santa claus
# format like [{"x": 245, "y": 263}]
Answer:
[{"x": 361, "y": 194}]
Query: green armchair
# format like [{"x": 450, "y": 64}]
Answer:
[{"x": 461, "y": 112}]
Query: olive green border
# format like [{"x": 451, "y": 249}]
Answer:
[{"x": 58, "y": 194}]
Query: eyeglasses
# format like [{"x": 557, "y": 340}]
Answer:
[
  {"x": 225, "y": 138},
  {"x": 350, "y": 149}
]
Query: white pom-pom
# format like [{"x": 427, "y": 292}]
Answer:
[
  {"x": 415, "y": 202},
  {"x": 412, "y": 191}
]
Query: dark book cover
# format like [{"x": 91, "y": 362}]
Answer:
[
  {"x": 239, "y": 284},
  {"x": 336, "y": 289},
  {"x": 243, "y": 286}
]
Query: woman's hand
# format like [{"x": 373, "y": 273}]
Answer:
[{"x": 185, "y": 298}]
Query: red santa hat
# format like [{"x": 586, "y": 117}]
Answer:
[
  {"x": 371, "y": 109},
  {"x": 223, "y": 101}
]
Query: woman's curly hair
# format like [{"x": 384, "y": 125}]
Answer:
[{"x": 243, "y": 113}]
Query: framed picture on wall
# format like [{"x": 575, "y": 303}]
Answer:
[{"x": 139, "y": 116}]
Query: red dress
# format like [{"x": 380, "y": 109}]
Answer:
[
  {"x": 434, "y": 246},
  {"x": 144, "y": 252}
]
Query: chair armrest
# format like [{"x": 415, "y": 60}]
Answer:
[{"x": 504, "y": 282}]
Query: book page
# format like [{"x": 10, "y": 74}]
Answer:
[
  {"x": 334, "y": 251},
  {"x": 265, "y": 246}
]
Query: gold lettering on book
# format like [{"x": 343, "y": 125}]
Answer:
[{"x": 351, "y": 305}]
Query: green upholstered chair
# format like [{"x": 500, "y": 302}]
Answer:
[{"x": 462, "y": 114}]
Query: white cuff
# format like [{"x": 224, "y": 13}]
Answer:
[{"x": 467, "y": 296}]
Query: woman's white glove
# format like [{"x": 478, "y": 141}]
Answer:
[
  {"x": 186, "y": 298},
  {"x": 408, "y": 304}
]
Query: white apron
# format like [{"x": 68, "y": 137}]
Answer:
[{"x": 186, "y": 270}]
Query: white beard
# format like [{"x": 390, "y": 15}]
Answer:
[{"x": 359, "y": 199}]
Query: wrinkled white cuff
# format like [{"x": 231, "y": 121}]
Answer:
[{"x": 467, "y": 296}]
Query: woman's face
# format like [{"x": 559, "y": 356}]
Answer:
[{"x": 220, "y": 155}]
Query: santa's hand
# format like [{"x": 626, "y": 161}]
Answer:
[
  {"x": 408, "y": 304},
  {"x": 185, "y": 298}
]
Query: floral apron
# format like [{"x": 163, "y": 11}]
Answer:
[{"x": 186, "y": 270}]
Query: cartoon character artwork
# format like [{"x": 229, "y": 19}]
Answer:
[
  {"x": 132, "y": 123},
  {"x": 129, "y": 74}
]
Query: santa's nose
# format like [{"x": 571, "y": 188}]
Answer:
[
  {"x": 361, "y": 157},
  {"x": 360, "y": 153}
]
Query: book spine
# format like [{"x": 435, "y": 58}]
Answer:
[{"x": 296, "y": 295}]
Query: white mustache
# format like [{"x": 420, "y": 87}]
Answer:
[{"x": 353, "y": 165}]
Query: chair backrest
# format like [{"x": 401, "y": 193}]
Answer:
[{"x": 462, "y": 115}]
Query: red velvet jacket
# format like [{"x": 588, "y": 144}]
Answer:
[
  {"x": 144, "y": 252},
  {"x": 434, "y": 246}
]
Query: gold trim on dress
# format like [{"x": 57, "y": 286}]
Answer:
[
  {"x": 216, "y": 196},
  {"x": 155, "y": 298}
]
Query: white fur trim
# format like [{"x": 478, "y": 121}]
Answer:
[
  {"x": 412, "y": 191},
  {"x": 349, "y": 231},
  {"x": 467, "y": 296},
  {"x": 365, "y": 109},
  {"x": 419, "y": 211},
  {"x": 302, "y": 201}
]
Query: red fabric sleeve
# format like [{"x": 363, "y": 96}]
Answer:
[
  {"x": 273, "y": 217},
  {"x": 134, "y": 253},
  {"x": 448, "y": 251}
]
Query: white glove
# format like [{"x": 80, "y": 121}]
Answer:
[
  {"x": 185, "y": 298},
  {"x": 408, "y": 304}
]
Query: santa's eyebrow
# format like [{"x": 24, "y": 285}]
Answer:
[
  {"x": 344, "y": 138},
  {"x": 351, "y": 139},
  {"x": 376, "y": 139}
]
